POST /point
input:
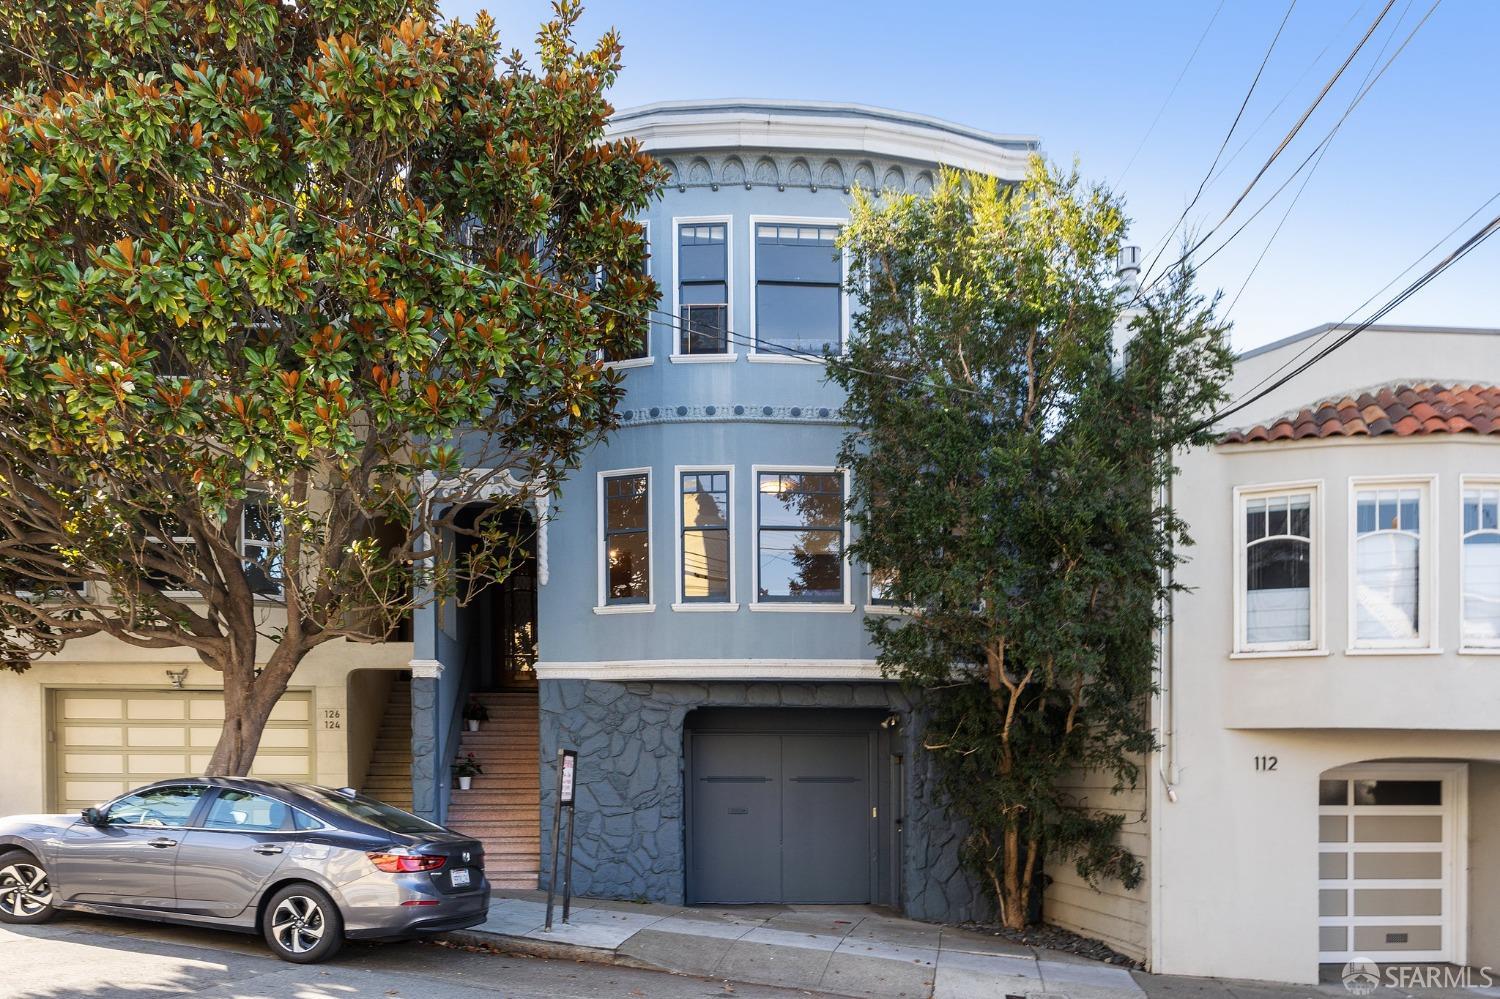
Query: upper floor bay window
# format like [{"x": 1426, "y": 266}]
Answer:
[
  {"x": 625, "y": 538},
  {"x": 705, "y": 541},
  {"x": 799, "y": 289},
  {"x": 1480, "y": 570},
  {"x": 1277, "y": 570},
  {"x": 800, "y": 536},
  {"x": 634, "y": 346},
  {"x": 1390, "y": 584},
  {"x": 703, "y": 287}
]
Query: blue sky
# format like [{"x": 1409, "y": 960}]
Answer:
[{"x": 1417, "y": 156}]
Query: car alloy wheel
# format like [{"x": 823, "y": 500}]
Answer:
[
  {"x": 298, "y": 924},
  {"x": 25, "y": 891}
]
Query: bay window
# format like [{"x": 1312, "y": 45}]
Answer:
[
  {"x": 1277, "y": 570},
  {"x": 703, "y": 287},
  {"x": 705, "y": 540},
  {"x": 1480, "y": 568}
]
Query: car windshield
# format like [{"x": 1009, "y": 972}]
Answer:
[{"x": 376, "y": 813}]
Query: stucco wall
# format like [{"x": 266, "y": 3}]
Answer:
[
  {"x": 630, "y": 834},
  {"x": 1110, "y": 912},
  {"x": 105, "y": 663}
]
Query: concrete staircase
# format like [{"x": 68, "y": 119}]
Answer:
[
  {"x": 503, "y": 808},
  {"x": 389, "y": 776}
]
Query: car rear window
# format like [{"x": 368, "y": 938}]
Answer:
[{"x": 376, "y": 813}]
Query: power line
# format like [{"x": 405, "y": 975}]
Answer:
[
  {"x": 1285, "y": 141},
  {"x": 1170, "y": 94},
  {"x": 1463, "y": 250}
]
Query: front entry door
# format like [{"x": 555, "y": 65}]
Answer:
[
  {"x": 1389, "y": 878},
  {"x": 781, "y": 817},
  {"x": 130, "y": 859}
]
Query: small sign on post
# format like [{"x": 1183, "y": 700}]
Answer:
[{"x": 567, "y": 768}]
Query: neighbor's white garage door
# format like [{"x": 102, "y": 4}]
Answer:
[
  {"x": 1389, "y": 879},
  {"x": 105, "y": 742}
]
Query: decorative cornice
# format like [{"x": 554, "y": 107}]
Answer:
[
  {"x": 425, "y": 669},
  {"x": 643, "y": 415},
  {"x": 712, "y": 669}
]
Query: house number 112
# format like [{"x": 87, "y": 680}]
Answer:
[{"x": 1265, "y": 764}]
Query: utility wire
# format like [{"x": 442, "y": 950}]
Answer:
[
  {"x": 1170, "y": 94},
  {"x": 1463, "y": 250},
  {"x": 1285, "y": 141}
]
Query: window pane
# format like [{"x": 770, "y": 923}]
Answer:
[
  {"x": 801, "y": 565},
  {"x": 1365, "y": 514},
  {"x": 1278, "y": 594},
  {"x": 798, "y": 253},
  {"x": 1398, "y": 792},
  {"x": 1301, "y": 516},
  {"x": 803, "y": 499},
  {"x": 1255, "y": 520},
  {"x": 1481, "y": 574},
  {"x": 799, "y": 317},
  {"x": 1333, "y": 792},
  {"x": 703, "y": 507},
  {"x": 712, "y": 293},
  {"x": 250, "y": 812},
  {"x": 625, "y": 503},
  {"x": 1276, "y": 516},
  {"x": 168, "y": 807},
  {"x": 629, "y": 563},
  {"x": 262, "y": 521},
  {"x": 704, "y": 329},
  {"x": 1387, "y": 577},
  {"x": 705, "y": 565},
  {"x": 701, "y": 253},
  {"x": 881, "y": 583}
]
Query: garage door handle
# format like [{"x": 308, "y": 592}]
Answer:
[
  {"x": 161, "y": 844},
  {"x": 267, "y": 850},
  {"x": 825, "y": 780},
  {"x": 736, "y": 780}
]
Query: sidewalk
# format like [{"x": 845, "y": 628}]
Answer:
[{"x": 842, "y": 950}]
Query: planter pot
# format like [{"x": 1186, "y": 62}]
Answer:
[
  {"x": 464, "y": 783},
  {"x": 473, "y": 724}
]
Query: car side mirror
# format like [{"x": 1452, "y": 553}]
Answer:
[{"x": 93, "y": 816}]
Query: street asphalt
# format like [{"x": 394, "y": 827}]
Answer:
[{"x": 86, "y": 957}]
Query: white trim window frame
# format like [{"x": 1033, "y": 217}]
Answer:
[
  {"x": 606, "y": 604},
  {"x": 1481, "y": 535},
  {"x": 678, "y": 355},
  {"x": 775, "y": 356},
  {"x": 262, "y": 551},
  {"x": 757, "y": 603},
  {"x": 647, "y": 359},
  {"x": 1265, "y": 496},
  {"x": 704, "y": 604},
  {"x": 1391, "y": 494}
]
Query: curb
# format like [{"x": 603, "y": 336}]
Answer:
[{"x": 499, "y": 943}]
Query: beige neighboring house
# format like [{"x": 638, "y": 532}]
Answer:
[
  {"x": 102, "y": 717},
  {"x": 1329, "y": 780}
]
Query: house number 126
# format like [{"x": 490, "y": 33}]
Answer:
[{"x": 1265, "y": 764}]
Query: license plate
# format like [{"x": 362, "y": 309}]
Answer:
[{"x": 461, "y": 878}]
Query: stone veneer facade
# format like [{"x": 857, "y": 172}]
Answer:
[{"x": 630, "y": 835}]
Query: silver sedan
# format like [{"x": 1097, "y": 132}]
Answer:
[{"x": 303, "y": 866}]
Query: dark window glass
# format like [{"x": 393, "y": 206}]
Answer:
[
  {"x": 881, "y": 583},
  {"x": 1398, "y": 792},
  {"x": 248, "y": 812},
  {"x": 799, "y": 275},
  {"x": 260, "y": 542},
  {"x": 801, "y": 536},
  {"x": 167, "y": 807},
  {"x": 705, "y": 536},
  {"x": 1333, "y": 792},
  {"x": 376, "y": 813},
  {"x": 703, "y": 288},
  {"x": 627, "y": 540}
]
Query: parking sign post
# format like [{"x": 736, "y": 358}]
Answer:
[{"x": 567, "y": 764}]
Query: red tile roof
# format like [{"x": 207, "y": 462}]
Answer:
[{"x": 1388, "y": 411}]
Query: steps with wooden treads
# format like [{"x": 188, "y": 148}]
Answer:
[{"x": 503, "y": 807}]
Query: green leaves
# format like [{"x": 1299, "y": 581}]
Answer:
[{"x": 1006, "y": 472}]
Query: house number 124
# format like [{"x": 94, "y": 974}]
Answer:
[{"x": 1265, "y": 764}]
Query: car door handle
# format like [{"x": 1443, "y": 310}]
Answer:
[
  {"x": 161, "y": 844},
  {"x": 266, "y": 849}
]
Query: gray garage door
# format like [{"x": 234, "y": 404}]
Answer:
[{"x": 782, "y": 817}]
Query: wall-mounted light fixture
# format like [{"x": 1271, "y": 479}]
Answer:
[{"x": 178, "y": 677}]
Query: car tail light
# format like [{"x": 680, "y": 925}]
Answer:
[
  {"x": 406, "y": 863},
  {"x": 420, "y": 901}
]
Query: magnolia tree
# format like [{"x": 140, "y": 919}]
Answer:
[
  {"x": 284, "y": 287},
  {"x": 1007, "y": 489}
]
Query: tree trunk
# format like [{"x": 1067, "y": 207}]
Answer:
[
  {"x": 248, "y": 702},
  {"x": 1015, "y": 902}
]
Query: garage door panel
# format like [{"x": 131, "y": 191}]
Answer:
[
  {"x": 825, "y": 818},
  {"x": 736, "y": 827},
  {"x": 107, "y": 742}
]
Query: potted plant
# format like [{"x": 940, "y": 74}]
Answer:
[
  {"x": 466, "y": 768},
  {"x": 474, "y": 713}
]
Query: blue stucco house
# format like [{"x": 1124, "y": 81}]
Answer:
[{"x": 688, "y": 620}]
